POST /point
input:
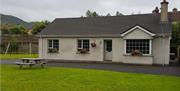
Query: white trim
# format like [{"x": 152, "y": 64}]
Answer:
[
  {"x": 41, "y": 47},
  {"x": 132, "y": 29},
  {"x": 125, "y": 47},
  {"x": 91, "y": 36},
  {"x": 52, "y": 43},
  {"x": 83, "y": 36},
  {"x": 150, "y": 45},
  {"x": 82, "y": 43}
]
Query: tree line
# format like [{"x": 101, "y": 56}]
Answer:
[
  {"x": 95, "y": 14},
  {"x": 20, "y": 29},
  {"x": 38, "y": 26}
]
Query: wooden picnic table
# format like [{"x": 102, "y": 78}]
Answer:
[{"x": 31, "y": 62}]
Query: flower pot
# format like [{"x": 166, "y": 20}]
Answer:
[{"x": 93, "y": 44}]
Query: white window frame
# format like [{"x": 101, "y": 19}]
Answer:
[
  {"x": 82, "y": 43},
  {"x": 150, "y": 47},
  {"x": 53, "y": 45}
]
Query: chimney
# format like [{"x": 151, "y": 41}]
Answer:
[
  {"x": 175, "y": 10},
  {"x": 164, "y": 11},
  {"x": 156, "y": 10}
]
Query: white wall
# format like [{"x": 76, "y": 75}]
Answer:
[
  {"x": 120, "y": 56},
  {"x": 68, "y": 50},
  {"x": 160, "y": 54},
  {"x": 137, "y": 34}
]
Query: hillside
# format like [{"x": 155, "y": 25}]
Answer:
[{"x": 8, "y": 19}]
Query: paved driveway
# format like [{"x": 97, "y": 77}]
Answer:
[{"x": 167, "y": 70}]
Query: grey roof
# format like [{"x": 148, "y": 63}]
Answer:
[{"x": 105, "y": 25}]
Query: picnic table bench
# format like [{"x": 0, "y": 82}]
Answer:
[{"x": 31, "y": 62}]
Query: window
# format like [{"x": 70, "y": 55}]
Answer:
[
  {"x": 53, "y": 46},
  {"x": 108, "y": 45},
  {"x": 83, "y": 45},
  {"x": 142, "y": 45}
]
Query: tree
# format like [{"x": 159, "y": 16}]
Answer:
[
  {"x": 175, "y": 41},
  {"x": 108, "y": 14},
  {"x": 4, "y": 30},
  {"x": 39, "y": 26},
  {"x": 119, "y": 14},
  {"x": 88, "y": 13},
  {"x": 94, "y": 14},
  {"x": 13, "y": 29},
  {"x": 14, "y": 45},
  {"x": 91, "y": 14},
  {"x": 18, "y": 29}
]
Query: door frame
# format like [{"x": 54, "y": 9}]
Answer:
[{"x": 104, "y": 49}]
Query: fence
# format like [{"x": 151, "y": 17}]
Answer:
[{"x": 25, "y": 44}]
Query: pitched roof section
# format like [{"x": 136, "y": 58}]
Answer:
[{"x": 111, "y": 25}]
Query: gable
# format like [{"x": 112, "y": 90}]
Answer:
[{"x": 137, "y": 32}]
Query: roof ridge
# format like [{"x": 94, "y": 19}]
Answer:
[{"x": 105, "y": 16}]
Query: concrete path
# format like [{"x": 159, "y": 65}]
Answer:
[{"x": 167, "y": 70}]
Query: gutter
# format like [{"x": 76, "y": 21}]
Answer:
[{"x": 95, "y": 36}]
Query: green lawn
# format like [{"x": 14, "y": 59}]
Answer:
[
  {"x": 72, "y": 79},
  {"x": 16, "y": 56}
]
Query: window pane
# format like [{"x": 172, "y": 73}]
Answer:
[
  {"x": 109, "y": 45},
  {"x": 86, "y": 44},
  {"x": 50, "y": 44},
  {"x": 56, "y": 44},
  {"x": 79, "y": 43}
]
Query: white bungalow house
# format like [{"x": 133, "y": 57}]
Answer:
[{"x": 134, "y": 39}]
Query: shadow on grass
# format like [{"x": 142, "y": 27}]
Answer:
[{"x": 29, "y": 68}]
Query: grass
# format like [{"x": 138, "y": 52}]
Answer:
[
  {"x": 73, "y": 79},
  {"x": 16, "y": 56}
]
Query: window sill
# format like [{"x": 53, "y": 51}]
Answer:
[
  {"x": 144, "y": 55},
  {"x": 53, "y": 52},
  {"x": 82, "y": 53}
]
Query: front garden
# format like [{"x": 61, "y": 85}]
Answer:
[{"x": 74, "y": 79}]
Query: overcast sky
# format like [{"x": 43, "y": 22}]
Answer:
[{"x": 37, "y": 10}]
